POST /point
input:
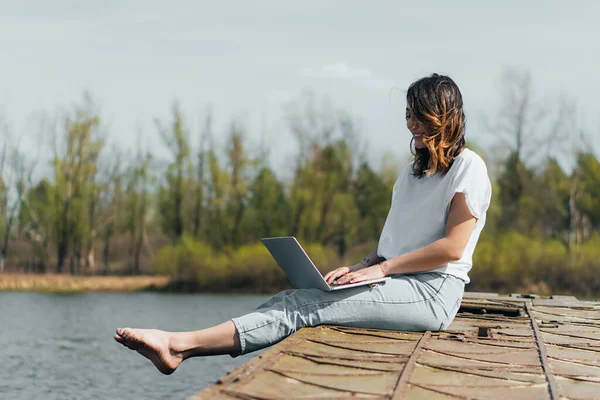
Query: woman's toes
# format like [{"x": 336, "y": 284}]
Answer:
[{"x": 128, "y": 334}]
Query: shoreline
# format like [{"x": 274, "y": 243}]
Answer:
[
  {"x": 72, "y": 284},
  {"x": 66, "y": 283}
]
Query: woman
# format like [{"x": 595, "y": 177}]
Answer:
[{"x": 438, "y": 211}]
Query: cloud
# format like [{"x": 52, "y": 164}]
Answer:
[{"x": 343, "y": 71}]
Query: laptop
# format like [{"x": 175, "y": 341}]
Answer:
[{"x": 299, "y": 268}]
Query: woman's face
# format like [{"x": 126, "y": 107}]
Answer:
[{"x": 416, "y": 127}]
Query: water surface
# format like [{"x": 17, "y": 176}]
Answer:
[{"x": 62, "y": 346}]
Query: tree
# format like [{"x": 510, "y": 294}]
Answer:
[
  {"x": 16, "y": 172},
  {"x": 329, "y": 150},
  {"x": 333, "y": 166},
  {"x": 372, "y": 198},
  {"x": 199, "y": 200},
  {"x": 75, "y": 169},
  {"x": 238, "y": 162},
  {"x": 216, "y": 197},
  {"x": 518, "y": 121},
  {"x": 136, "y": 207},
  {"x": 311, "y": 128},
  {"x": 37, "y": 219},
  {"x": 15, "y": 185},
  {"x": 4, "y": 187},
  {"x": 112, "y": 201},
  {"x": 173, "y": 195},
  {"x": 586, "y": 197},
  {"x": 267, "y": 205},
  {"x": 518, "y": 96},
  {"x": 552, "y": 201}
]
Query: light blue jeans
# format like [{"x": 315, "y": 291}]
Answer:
[{"x": 416, "y": 302}]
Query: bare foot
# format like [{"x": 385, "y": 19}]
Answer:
[{"x": 153, "y": 344}]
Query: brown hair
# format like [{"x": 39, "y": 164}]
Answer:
[{"x": 437, "y": 102}]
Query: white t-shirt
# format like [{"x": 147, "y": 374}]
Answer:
[{"x": 420, "y": 207}]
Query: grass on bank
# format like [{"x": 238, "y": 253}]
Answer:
[{"x": 63, "y": 283}]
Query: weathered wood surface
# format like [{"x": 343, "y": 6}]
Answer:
[{"x": 498, "y": 347}]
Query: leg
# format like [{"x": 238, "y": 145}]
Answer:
[
  {"x": 409, "y": 302},
  {"x": 418, "y": 302},
  {"x": 167, "y": 350}
]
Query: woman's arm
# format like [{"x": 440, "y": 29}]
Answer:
[
  {"x": 369, "y": 260},
  {"x": 459, "y": 225}
]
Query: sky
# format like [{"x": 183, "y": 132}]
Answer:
[{"x": 247, "y": 59}]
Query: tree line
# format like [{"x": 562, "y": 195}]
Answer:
[{"x": 213, "y": 189}]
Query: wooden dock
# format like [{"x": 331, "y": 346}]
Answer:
[{"x": 513, "y": 347}]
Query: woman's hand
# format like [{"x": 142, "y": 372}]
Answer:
[
  {"x": 364, "y": 274},
  {"x": 337, "y": 273}
]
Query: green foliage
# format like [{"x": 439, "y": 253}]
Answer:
[
  {"x": 248, "y": 267},
  {"x": 588, "y": 175},
  {"x": 267, "y": 206},
  {"x": 173, "y": 194},
  {"x": 75, "y": 170},
  {"x": 252, "y": 267},
  {"x": 186, "y": 260},
  {"x": 323, "y": 257},
  {"x": 589, "y": 253},
  {"x": 515, "y": 262},
  {"x": 373, "y": 198}
]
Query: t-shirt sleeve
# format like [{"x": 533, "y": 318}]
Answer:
[{"x": 472, "y": 180}]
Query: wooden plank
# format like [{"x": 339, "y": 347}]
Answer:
[
  {"x": 405, "y": 375},
  {"x": 548, "y": 349}
]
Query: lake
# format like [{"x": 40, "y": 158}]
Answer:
[{"x": 62, "y": 346}]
